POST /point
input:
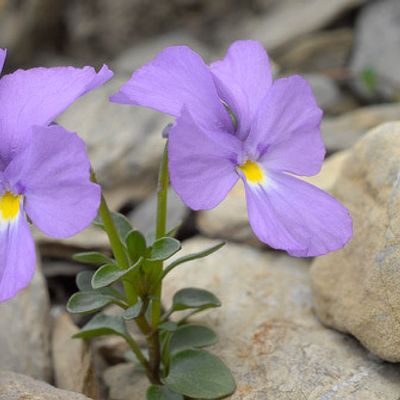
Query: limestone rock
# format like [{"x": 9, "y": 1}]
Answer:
[
  {"x": 229, "y": 219},
  {"x": 268, "y": 333},
  {"x": 124, "y": 142},
  {"x": 72, "y": 359},
  {"x": 356, "y": 288},
  {"x": 287, "y": 20},
  {"x": 377, "y": 48},
  {"x": 341, "y": 132},
  {"x": 25, "y": 331},
  {"x": 20, "y": 387}
]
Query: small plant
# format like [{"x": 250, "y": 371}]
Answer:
[{"x": 232, "y": 123}]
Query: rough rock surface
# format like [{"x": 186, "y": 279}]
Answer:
[
  {"x": 283, "y": 353},
  {"x": 377, "y": 48},
  {"x": 286, "y": 20},
  {"x": 72, "y": 359},
  {"x": 124, "y": 142},
  {"x": 356, "y": 289},
  {"x": 342, "y": 132},
  {"x": 229, "y": 219},
  {"x": 25, "y": 331},
  {"x": 20, "y": 387}
]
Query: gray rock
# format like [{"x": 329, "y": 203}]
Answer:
[
  {"x": 20, "y": 387},
  {"x": 144, "y": 216},
  {"x": 325, "y": 90},
  {"x": 356, "y": 288},
  {"x": 25, "y": 333},
  {"x": 286, "y": 20},
  {"x": 72, "y": 358},
  {"x": 229, "y": 219},
  {"x": 341, "y": 132},
  {"x": 324, "y": 50},
  {"x": 268, "y": 333},
  {"x": 377, "y": 48},
  {"x": 124, "y": 142}
]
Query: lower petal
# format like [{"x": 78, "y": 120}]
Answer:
[
  {"x": 201, "y": 163},
  {"x": 54, "y": 176},
  {"x": 17, "y": 257},
  {"x": 292, "y": 215}
]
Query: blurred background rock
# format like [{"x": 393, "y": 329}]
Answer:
[{"x": 349, "y": 50}]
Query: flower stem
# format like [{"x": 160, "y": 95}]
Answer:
[{"x": 161, "y": 227}]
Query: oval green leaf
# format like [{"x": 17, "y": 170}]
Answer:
[
  {"x": 84, "y": 280},
  {"x": 134, "y": 311},
  {"x": 164, "y": 248},
  {"x": 122, "y": 224},
  {"x": 199, "y": 374},
  {"x": 155, "y": 392},
  {"x": 110, "y": 273},
  {"x": 92, "y": 257},
  {"x": 194, "y": 298},
  {"x": 136, "y": 245},
  {"x": 102, "y": 325},
  {"x": 87, "y": 302},
  {"x": 192, "y": 336}
]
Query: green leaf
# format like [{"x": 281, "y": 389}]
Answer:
[
  {"x": 102, "y": 325},
  {"x": 199, "y": 374},
  {"x": 155, "y": 392},
  {"x": 194, "y": 298},
  {"x": 168, "y": 326},
  {"x": 110, "y": 273},
  {"x": 173, "y": 232},
  {"x": 192, "y": 336},
  {"x": 92, "y": 257},
  {"x": 190, "y": 257},
  {"x": 83, "y": 280},
  {"x": 136, "y": 244},
  {"x": 134, "y": 311},
  {"x": 122, "y": 224},
  {"x": 164, "y": 248},
  {"x": 87, "y": 302}
]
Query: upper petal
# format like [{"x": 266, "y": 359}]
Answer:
[
  {"x": 292, "y": 215},
  {"x": 53, "y": 173},
  {"x": 176, "y": 77},
  {"x": 17, "y": 257},
  {"x": 3, "y": 54},
  {"x": 201, "y": 163},
  {"x": 243, "y": 78},
  {"x": 286, "y": 131},
  {"x": 36, "y": 97}
]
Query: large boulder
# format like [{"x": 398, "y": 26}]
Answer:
[{"x": 356, "y": 289}]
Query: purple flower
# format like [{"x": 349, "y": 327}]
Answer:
[
  {"x": 273, "y": 135},
  {"x": 44, "y": 170}
]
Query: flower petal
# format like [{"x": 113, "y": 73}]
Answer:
[
  {"x": 201, "y": 163},
  {"x": 3, "y": 54},
  {"x": 243, "y": 78},
  {"x": 36, "y": 97},
  {"x": 53, "y": 174},
  {"x": 286, "y": 131},
  {"x": 176, "y": 77},
  {"x": 17, "y": 257},
  {"x": 292, "y": 215}
]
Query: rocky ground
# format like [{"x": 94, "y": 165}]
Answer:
[{"x": 324, "y": 329}]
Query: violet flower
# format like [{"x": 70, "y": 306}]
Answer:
[
  {"x": 274, "y": 134},
  {"x": 44, "y": 170}
]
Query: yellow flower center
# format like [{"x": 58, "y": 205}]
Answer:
[
  {"x": 9, "y": 206},
  {"x": 252, "y": 171}
]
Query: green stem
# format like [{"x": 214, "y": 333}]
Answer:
[{"x": 161, "y": 228}]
